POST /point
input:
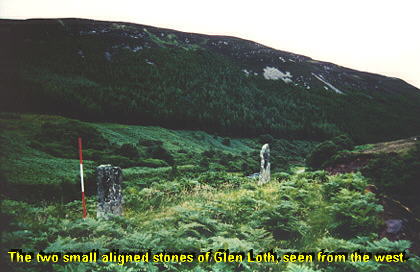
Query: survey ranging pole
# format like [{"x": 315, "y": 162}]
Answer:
[{"x": 81, "y": 177}]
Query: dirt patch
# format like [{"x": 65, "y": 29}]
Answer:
[
  {"x": 399, "y": 146},
  {"x": 350, "y": 166}
]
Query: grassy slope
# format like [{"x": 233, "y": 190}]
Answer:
[
  {"x": 398, "y": 146},
  {"x": 174, "y": 140},
  {"x": 24, "y": 164},
  {"x": 394, "y": 167}
]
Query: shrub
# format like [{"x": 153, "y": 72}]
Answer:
[
  {"x": 129, "y": 151},
  {"x": 342, "y": 157},
  {"x": 174, "y": 172},
  {"x": 225, "y": 158},
  {"x": 159, "y": 152},
  {"x": 204, "y": 163},
  {"x": 343, "y": 142},
  {"x": 68, "y": 132},
  {"x": 117, "y": 160},
  {"x": 226, "y": 141},
  {"x": 321, "y": 153},
  {"x": 216, "y": 179},
  {"x": 95, "y": 155},
  {"x": 280, "y": 176},
  {"x": 265, "y": 139},
  {"x": 60, "y": 138},
  {"x": 355, "y": 213},
  {"x": 154, "y": 163},
  {"x": 208, "y": 153},
  {"x": 245, "y": 167},
  {"x": 145, "y": 142},
  {"x": 397, "y": 175},
  {"x": 386, "y": 169}
]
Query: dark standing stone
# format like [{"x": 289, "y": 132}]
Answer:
[
  {"x": 393, "y": 226},
  {"x": 109, "y": 179}
]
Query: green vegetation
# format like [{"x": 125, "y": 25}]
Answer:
[
  {"x": 394, "y": 166},
  {"x": 303, "y": 212},
  {"x": 177, "y": 202},
  {"x": 363, "y": 147},
  {"x": 99, "y": 78},
  {"x": 329, "y": 150},
  {"x": 397, "y": 175},
  {"x": 39, "y": 153},
  {"x": 186, "y": 124}
]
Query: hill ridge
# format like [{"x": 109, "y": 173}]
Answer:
[{"x": 138, "y": 74}]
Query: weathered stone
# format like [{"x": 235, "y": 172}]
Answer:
[
  {"x": 393, "y": 226},
  {"x": 109, "y": 179},
  {"x": 265, "y": 164},
  {"x": 254, "y": 176}
]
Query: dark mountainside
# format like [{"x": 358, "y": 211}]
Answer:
[{"x": 136, "y": 74}]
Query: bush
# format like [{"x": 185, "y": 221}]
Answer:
[
  {"x": 355, "y": 213},
  {"x": 117, "y": 160},
  {"x": 324, "y": 152},
  {"x": 397, "y": 175},
  {"x": 342, "y": 157},
  {"x": 154, "y": 163},
  {"x": 58, "y": 150},
  {"x": 217, "y": 179},
  {"x": 280, "y": 176},
  {"x": 145, "y": 142},
  {"x": 208, "y": 153},
  {"x": 265, "y": 139},
  {"x": 60, "y": 139},
  {"x": 226, "y": 141},
  {"x": 174, "y": 172},
  {"x": 321, "y": 153},
  {"x": 159, "y": 152},
  {"x": 343, "y": 142},
  {"x": 204, "y": 163},
  {"x": 225, "y": 158},
  {"x": 386, "y": 170},
  {"x": 129, "y": 151},
  {"x": 245, "y": 167},
  {"x": 95, "y": 155},
  {"x": 66, "y": 133}
]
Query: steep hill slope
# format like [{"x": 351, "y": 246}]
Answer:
[{"x": 140, "y": 74}]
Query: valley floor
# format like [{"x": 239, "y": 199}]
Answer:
[{"x": 196, "y": 199}]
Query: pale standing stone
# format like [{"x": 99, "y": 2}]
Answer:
[{"x": 265, "y": 164}]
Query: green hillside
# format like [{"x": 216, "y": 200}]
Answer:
[
  {"x": 127, "y": 73},
  {"x": 394, "y": 166},
  {"x": 40, "y": 151}
]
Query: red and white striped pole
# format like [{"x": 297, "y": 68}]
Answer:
[{"x": 81, "y": 177}]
